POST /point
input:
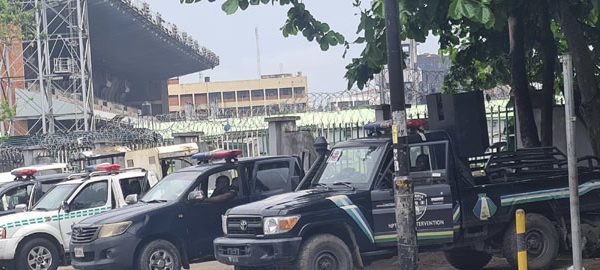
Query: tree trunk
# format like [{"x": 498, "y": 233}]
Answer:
[
  {"x": 549, "y": 55},
  {"x": 584, "y": 67},
  {"x": 520, "y": 86}
]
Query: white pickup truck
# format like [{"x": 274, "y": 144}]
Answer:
[{"x": 38, "y": 239}]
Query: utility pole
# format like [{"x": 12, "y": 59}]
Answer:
[
  {"x": 403, "y": 187},
  {"x": 571, "y": 119}
]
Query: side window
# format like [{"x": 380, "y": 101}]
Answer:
[
  {"x": 223, "y": 182},
  {"x": 272, "y": 176},
  {"x": 14, "y": 197},
  {"x": 136, "y": 185},
  {"x": 425, "y": 158},
  {"x": 91, "y": 196}
]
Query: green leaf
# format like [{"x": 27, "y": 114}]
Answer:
[
  {"x": 455, "y": 9},
  {"x": 324, "y": 45},
  {"x": 230, "y": 6},
  {"x": 243, "y": 4}
]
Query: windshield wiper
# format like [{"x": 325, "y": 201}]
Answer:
[
  {"x": 40, "y": 209},
  {"x": 346, "y": 184},
  {"x": 154, "y": 201}
]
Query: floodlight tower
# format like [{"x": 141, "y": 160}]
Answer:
[{"x": 57, "y": 63}]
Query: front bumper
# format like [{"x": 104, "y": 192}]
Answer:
[
  {"x": 256, "y": 252},
  {"x": 7, "y": 248},
  {"x": 106, "y": 254}
]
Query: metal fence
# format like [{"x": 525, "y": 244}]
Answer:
[{"x": 255, "y": 142}]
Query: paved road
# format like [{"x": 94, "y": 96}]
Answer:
[{"x": 428, "y": 261}]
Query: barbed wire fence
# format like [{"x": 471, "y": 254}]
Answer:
[{"x": 336, "y": 116}]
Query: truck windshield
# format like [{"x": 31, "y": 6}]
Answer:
[
  {"x": 171, "y": 187},
  {"x": 54, "y": 197},
  {"x": 351, "y": 166}
]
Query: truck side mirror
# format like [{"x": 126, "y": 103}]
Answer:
[
  {"x": 20, "y": 208},
  {"x": 196, "y": 196},
  {"x": 65, "y": 207},
  {"x": 131, "y": 199}
]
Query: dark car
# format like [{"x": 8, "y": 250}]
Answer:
[
  {"x": 25, "y": 191},
  {"x": 175, "y": 223}
]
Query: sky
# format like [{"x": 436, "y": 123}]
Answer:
[{"x": 232, "y": 38}]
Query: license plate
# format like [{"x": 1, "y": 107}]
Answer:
[
  {"x": 78, "y": 252},
  {"x": 233, "y": 251}
]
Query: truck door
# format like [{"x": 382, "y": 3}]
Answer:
[
  {"x": 272, "y": 177},
  {"x": 203, "y": 219},
  {"x": 89, "y": 200},
  {"x": 433, "y": 194},
  {"x": 433, "y": 197}
]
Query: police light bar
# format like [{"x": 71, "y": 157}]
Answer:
[
  {"x": 104, "y": 167},
  {"x": 217, "y": 155},
  {"x": 387, "y": 125},
  {"x": 24, "y": 172}
]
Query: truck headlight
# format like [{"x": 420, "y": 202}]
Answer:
[
  {"x": 114, "y": 229},
  {"x": 224, "y": 223},
  {"x": 2, "y": 233},
  {"x": 277, "y": 225}
]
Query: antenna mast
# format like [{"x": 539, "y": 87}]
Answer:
[{"x": 257, "y": 53}]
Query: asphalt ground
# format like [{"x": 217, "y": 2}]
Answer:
[{"x": 427, "y": 261}]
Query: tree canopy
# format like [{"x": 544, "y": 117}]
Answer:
[{"x": 489, "y": 43}]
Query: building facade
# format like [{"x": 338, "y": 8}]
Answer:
[{"x": 272, "y": 94}]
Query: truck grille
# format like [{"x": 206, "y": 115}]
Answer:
[
  {"x": 84, "y": 234},
  {"x": 246, "y": 226}
]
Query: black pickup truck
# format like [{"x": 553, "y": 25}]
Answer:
[
  {"x": 344, "y": 217},
  {"x": 175, "y": 222}
]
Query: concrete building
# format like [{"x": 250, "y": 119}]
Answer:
[{"x": 269, "y": 95}]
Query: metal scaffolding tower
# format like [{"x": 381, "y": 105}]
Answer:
[{"x": 57, "y": 64}]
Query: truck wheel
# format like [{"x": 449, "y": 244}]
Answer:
[
  {"x": 38, "y": 254},
  {"x": 467, "y": 259},
  {"x": 159, "y": 255},
  {"x": 324, "y": 252},
  {"x": 542, "y": 242}
]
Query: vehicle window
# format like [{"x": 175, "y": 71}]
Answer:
[
  {"x": 136, "y": 185},
  {"x": 272, "y": 176},
  {"x": 171, "y": 187},
  {"x": 431, "y": 157},
  {"x": 14, "y": 197},
  {"x": 355, "y": 166},
  {"x": 91, "y": 196},
  {"x": 55, "y": 196},
  {"x": 231, "y": 177},
  {"x": 386, "y": 177},
  {"x": 49, "y": 172}
]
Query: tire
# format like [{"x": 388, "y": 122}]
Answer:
[
  {"x": 38, "y": 252},
  {"x": 542, "y": 242},
  {"x": 467, "y": 259},
  {"x": 324, "y": 250},
  {"x": 248, "y": 268},
  {"x": 159, "y": 253}
]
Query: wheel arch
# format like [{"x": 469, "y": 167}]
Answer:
[
  {"x": 47, "y": 236},
  {"x": 339, "y": 229},
  {"x": 178, "y": 243}
]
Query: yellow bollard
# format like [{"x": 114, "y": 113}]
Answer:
[{"x": 521, "y": 245}]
